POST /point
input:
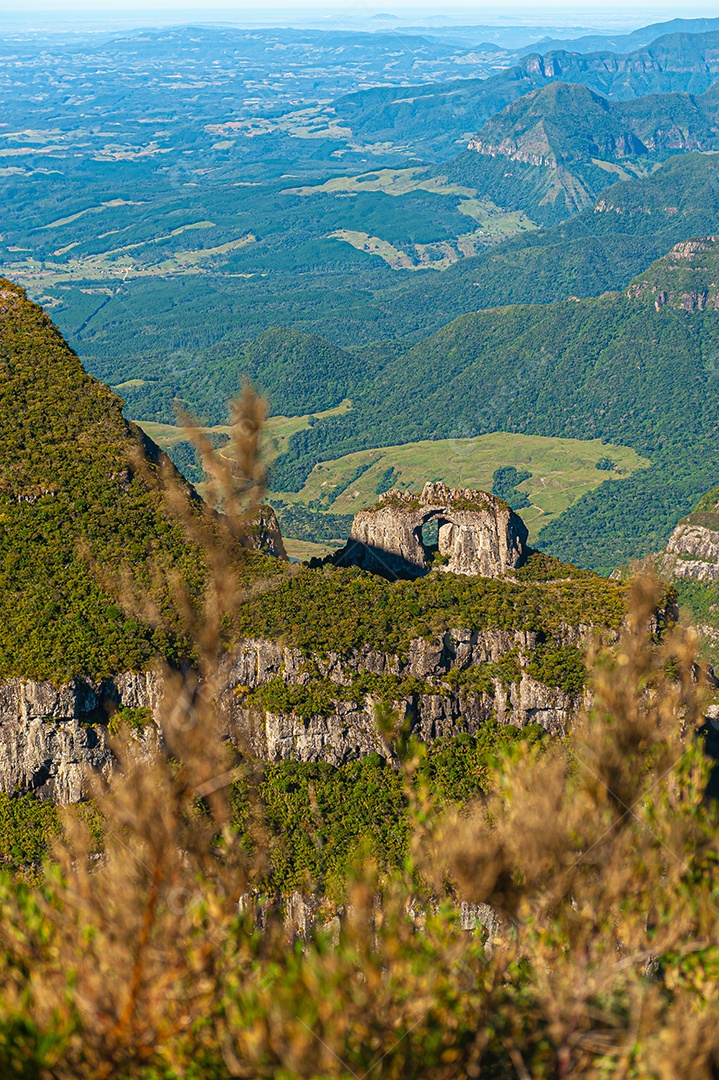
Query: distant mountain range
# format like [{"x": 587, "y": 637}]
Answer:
[
  {"x": 623, "y": 43},
  {"x": 435, "y": 118}
]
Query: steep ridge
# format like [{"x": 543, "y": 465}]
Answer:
[
  {"x": 434, "y": 119},
  {"x": 687, "y": 279},
  {"x": 693, "y": 548},
  {"x": 78, "y": 486},
  {"x": 576, "y": 137},
  {"x": 558, "y": 124},
  {"x": 625, "y": 367},
  {"x": 673, "y": 62}
]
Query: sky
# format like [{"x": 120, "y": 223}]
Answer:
[{"x": 609, "y": 14}]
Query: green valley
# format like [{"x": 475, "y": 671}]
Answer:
[
  {"x": 192, "y": 338},
  {"x": 635, "y": 368},
  {"x": 562, "y": 471}
]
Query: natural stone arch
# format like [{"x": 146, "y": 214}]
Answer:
[{"x": 478, "y": 534}]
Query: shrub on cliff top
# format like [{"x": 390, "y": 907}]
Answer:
[{"x": 337, "y": 610}]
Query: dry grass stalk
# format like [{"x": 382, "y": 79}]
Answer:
[{"x": 599, "y": 855}]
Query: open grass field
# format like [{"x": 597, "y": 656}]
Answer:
[
  {"x": 277, "y": 430},
  {"x": 563, "y": 470},
  {"x": 304, "y": 550},
  {"x": 494, "y": 223},
  {"x": 388, "y": 181},
  {"x": 121, "y": 263}
]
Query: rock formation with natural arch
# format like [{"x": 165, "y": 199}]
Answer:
[{"x": 477, "y": 534}]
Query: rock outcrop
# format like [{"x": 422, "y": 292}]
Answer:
[
  {"x": 686, "y": 278},
  {"x": 264, "y": 534},
  {"x": 693, "y": 552},
  {"x": 477, "y": 534},
  {"x": 50, "y": 735},
  {"x": 691, "y": 559},
  {"x": 693, "y": 548}
]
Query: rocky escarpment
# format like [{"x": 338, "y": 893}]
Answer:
[
  {"x": 50, "y": 735},
  {"x": 477, "y": 534},
  {"x": 693, "y": 548},
  {"x": 693, "y": 552},
  {"x": 566, "y": 123},
  {"x": 263, "y": 533},
  {"x": 434, "y": 688},
  {"x": 687, "y": 278}
]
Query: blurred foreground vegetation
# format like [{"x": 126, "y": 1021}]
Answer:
[{"x": 597, "y": 855}]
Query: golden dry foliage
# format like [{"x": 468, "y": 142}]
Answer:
[
  {"x": 126, "y": 951},
  {"x": 597, "y": 855}
]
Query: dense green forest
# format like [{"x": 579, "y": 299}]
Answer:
[{"x": 195, "y": 343}]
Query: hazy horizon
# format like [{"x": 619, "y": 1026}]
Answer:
[{"x": 576, "y": 19}]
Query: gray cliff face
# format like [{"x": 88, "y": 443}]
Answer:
[
  {"x": 349, "y": 730},
  {"x": 477, "y": 534},
  {"x": 534, "y": 150},
  {"x": 50, "y": 735},
  {"x": 263, "y": 534},
  {"x": 693, "y": 552}
]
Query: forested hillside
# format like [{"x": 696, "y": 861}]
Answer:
[
  {"x": 77, "y": 508},
  {"x": 573, "y": 139},
  {"x": 632, "y": 223},
  {"x": 636, "y": 368}
]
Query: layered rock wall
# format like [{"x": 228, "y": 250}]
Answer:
[
  {"x": 693, "y": 552},
  {"x": 49, "y": 734}
]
